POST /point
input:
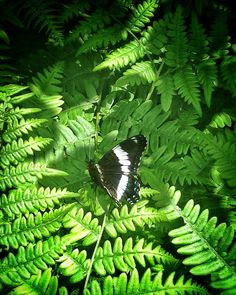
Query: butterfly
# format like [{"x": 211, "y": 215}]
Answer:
[{"x": 116, "y": 171}]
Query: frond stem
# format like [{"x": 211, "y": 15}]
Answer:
[{"x": 95, "y": 250}]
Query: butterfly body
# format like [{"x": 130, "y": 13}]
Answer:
[{"x": 116, "y": 172}]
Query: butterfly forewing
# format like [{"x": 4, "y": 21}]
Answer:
[{"x": 117, "y": 170}]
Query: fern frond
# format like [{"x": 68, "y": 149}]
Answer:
[
  {"x": 44, "y": 15},
  {"x": 97, "y": 20},
  {"x": 17, "y": 151},
  {"x": 228, "y": 69},
  {"x": 74, "y": 10},
  {"x": 194, "y": 169},
  {"x": 19, "y": 112},
  {"x": 130, "y": 53},
  {"x": 140, "y": 73},
  {"x": 124, "y": 221},
  {"x": 198, "y": 43},
  {"x": 32, "y": 199},
  {"x": 207, "y": 74},
  {"x": 187, "y": 84},
  {"x": 16, "y": 128},
  {"x": 82, "y": 225},
  {"x": 103, "y": 38},
  {"x": 48, "y": 82},
  {"x": 10, "y": 92},
  {"x": 46, "y": 86},
  {"x": 25, "y": 173},
  {"x": 209, "y": 247},
  {"x": 145, "y": 285},
  {"x": 42, "y": 283},
  {"x": 74, "y": 264},
  {"x": 27, "y": 229},
  {"x": 14, "y": 269},
  {"x": 141, "y": 15},
  {"x": 165, "y": 87},
  {"x": 221, "y": 120},
  {"x": 124, "y": 257},
  {"x": 224, "y": 153},
  {"x": 177, "y": 50}
]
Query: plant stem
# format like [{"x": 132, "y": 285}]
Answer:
[{"x": 95, "y": 251}]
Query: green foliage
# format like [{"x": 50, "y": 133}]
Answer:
[
  {"x": 42, "y": 283},
  {"x": 145, "y": 285},
  {"x": 84, "y": 76}
]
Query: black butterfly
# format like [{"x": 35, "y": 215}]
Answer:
[{"x": 116, "y": 172}]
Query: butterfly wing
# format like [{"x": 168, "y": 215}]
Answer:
[{"x": 117, "y": 170}]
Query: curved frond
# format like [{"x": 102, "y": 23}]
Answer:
[
  {"x": 103, "y": 38},
  {"x": 10, "y": 91},
  {"x": 25, "y": 173},
  {"x": 124, "y": 221},
  {"x": 228, "y": 68},
  {"x": 177, "y": 49},
  {"x": 140, "y": 73},
  {"x": 187, "y": 85},
  {"x": 146, "y": 285},
  {"x": 14, "y": 269},
  {"x": 209, "y": 246},
  {"x": 198, "y": 43},
  {"x": 74, "y": 264},
  {"x": 43, "y": 283},
  {"x": 165, "y": 87},
  {"x": 141, "y": 15},
  {"x": 124, "y": 257},
  {"x": 130, "y": 53},
  {"x": 17, "y": 151},
  {"x": 17, "y": 128},
  {"x": 224, "y": 153},
  {"x": 27, "y": 229},
  {"x": 32, "y": 199},
  {"x": 207, "y": 74},
  {"x": 96, "y": 20},
  {"x": 82, "y": 226},
  {"x": 44, "y": 16},
  {"x": 221, "y": 120}
]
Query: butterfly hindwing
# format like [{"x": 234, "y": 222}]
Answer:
[{"x": 117, "y": 170}]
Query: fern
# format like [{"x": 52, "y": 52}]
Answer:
[
  {"x": 145, "y": 285},
  {"x": 17, "y": 128},
  {"x": 124, "y": 221},
  {"x": 82, "y": 225},
  {"x": 177, "y": 51},
  {"x": 140, "y": 73},
  {"x": 224, "y": 154},
  {"x": 43, "y": 283},
  {"x": 141, "y": 15},
  {"x": 125, "y": 68},
  {"x": 187, "y": 86},
  {"x": 131, "y": 52},
  {"x": 124, "y": 257},
  {"x": 206, "y": 244},
  {"x": 228, "y": 71},
  {"x": 74, "y": 264},
  {"x": 165, "y": 87},
  {"x": 208, "y": 78},
  {"x": 97, "y": 20},
  {"x": 43, "y": 15},
  {"x": 17, "y": 151},
  {"x": 25, "y": 173},
  {"x": 221, "y": 120},
  {"x": 47, "y": 90},
  {"x": 24, "y": 230},
  {"x": 29, "y": 260}
]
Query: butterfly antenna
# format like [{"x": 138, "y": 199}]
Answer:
[{"x": 97, "y": 245}]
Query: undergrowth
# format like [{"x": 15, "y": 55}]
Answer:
[{"x": 77, "y": 78}]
